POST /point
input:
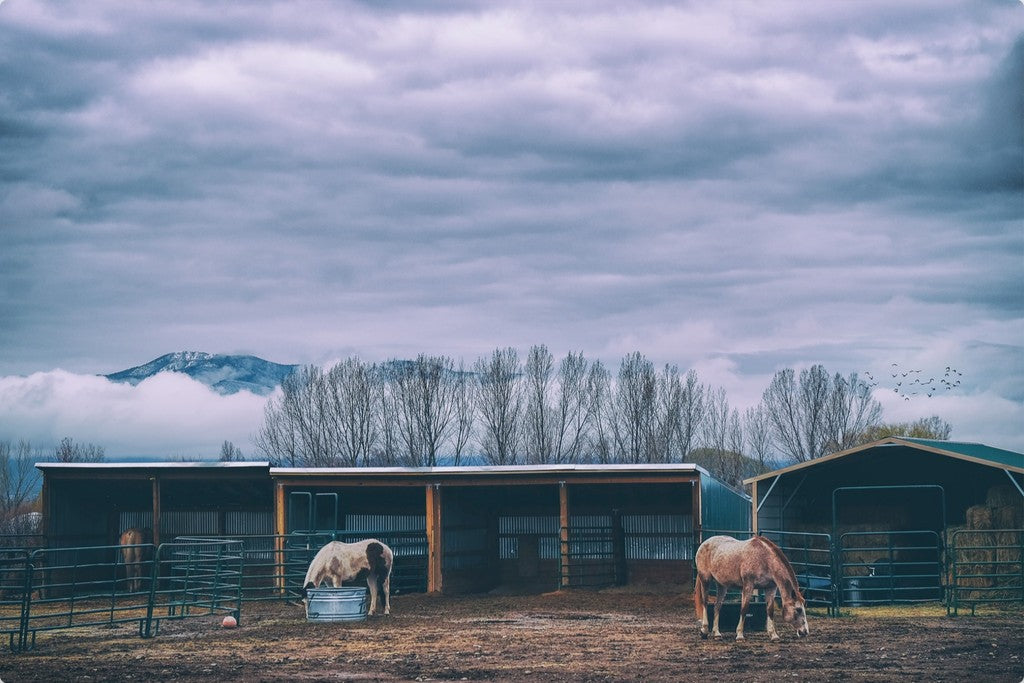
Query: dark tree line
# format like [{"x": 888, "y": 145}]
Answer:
[{"x": 506, "y": 410}]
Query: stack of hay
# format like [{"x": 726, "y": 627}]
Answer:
[{"x": 989, "y": 556}]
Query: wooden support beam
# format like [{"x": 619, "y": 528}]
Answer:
[
  {"x": 280, "y": 529},
  {"x": 753, "y": 507},
  {"x": 435, "y": 548}
]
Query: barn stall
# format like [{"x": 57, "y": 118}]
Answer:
[
  {"x": 902, "y": 520},
  {"x": 453, "y": 529},
  {"x": 516, "y": 528}
]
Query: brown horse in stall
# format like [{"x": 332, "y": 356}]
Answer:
[
  {"x": 135, "y": 553},
  {"x": 754, "y": 563}
]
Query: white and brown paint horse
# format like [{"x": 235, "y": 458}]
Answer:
[
  {"x": 338, "y": 562},
  {"x": 135, "y": 553},
  {"x": 748, "y": 565}
]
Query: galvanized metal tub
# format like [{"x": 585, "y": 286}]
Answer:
[{"x": 337, "y": 604}]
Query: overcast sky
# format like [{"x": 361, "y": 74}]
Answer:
[{"x": 733, "y": 188}]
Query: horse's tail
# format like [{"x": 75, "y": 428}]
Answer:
[{"x": 699, "y": 597}]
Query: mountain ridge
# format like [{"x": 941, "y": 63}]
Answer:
[{"x": 224, "y": 373}]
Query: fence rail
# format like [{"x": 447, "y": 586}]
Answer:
[
  {"x": 50, "y": 589},
  {"x": 986, "y": 567}
]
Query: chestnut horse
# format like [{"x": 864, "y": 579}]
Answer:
[
  {"x": 136, "y": 553},
  {"x": 750, "y": 564},
  {"x": 337, "y": 562}
]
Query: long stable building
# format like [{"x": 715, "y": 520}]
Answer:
[{"x": 461, "y": 529}]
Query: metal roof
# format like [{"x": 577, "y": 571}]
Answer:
[
  {"x": 972, "y": 452},
  {"x": 149, "y": 465},
  {"x": 489, "y": 469}
]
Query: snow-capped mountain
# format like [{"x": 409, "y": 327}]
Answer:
[{"x": 223, "y": 373}]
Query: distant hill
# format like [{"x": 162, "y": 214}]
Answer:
[{"x": 223, "y": 373}]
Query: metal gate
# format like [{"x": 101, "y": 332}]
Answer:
[
  {"x": 986, "y": 566},
  {"x": 888, "y": 567}
]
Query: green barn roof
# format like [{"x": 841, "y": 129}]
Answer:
[{"x": 973, "y": 452}]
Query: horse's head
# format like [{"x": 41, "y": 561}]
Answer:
[{"x": 795, "y": 613}]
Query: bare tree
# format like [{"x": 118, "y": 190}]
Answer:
[
  {"x": 817, "y": 414},
  {"x": 500, "y": 405},
  {"x": 575, "y": 409},
  {"x": 19, "y": 479},
  {"x": 691, "y": 415},
  {"x": 758, "y": 433},
  {"x": 600, "y": 448},
  {"x": 852, "y": 410},
  {"x": 297, "y": 425},
  {"x": 69, "y": 451},
  {"x": 538, "y": 414},
  {"x": 230, "y": 453},
  {"x": 465, "y": 400},
  {"x": 425, "y": 393},
  {"x": 668, "y": 414},
  {"x": 353, "y": 408},
  {"x": 634, "y": 424}
]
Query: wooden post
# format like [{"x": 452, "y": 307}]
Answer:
[
  {"x": 753, "y": 507},
  {"x": 434, "y": 539},
  {"x": 563, "y": 533},
  {"x": 279, "y": 533}
]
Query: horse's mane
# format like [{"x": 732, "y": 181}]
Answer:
[{"x": 794, "y": 586}]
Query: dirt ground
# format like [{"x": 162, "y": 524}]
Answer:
[{"x": 565, "y": 636}]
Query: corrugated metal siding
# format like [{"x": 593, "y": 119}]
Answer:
[
  {"x": 384, "y": 523},
  {"x": 136, "y": 519},
  {"x": 658, "y": 537},
  {"x": 259, "y": 523},
  {"x": 722, "y": 508},
  {"x": 188, "y": 523}
]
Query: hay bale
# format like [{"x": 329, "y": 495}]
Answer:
[
  {"x": 1002, "y": 494},
  {"x": 979, "y": 517},
  {"x": 1008, "y": 516}
]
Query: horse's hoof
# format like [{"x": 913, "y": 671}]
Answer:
[
  {"x": 704, "y": 635},
  {"x": 740, "y": 637},
  {"x": 718, "y": 636},
  {"x": 776, "y": 639}
]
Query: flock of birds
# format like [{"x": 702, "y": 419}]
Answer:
[{"x": 909, "y": 382}]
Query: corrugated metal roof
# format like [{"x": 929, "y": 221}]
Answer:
[
  {"x": 149, "y": 465},
  {"x": 977, "y": 451},
  {"x": 487, "y": 469},
  {"x": 973, "y": 452}
]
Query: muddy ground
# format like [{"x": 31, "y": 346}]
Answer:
[{"x": 564, "y": 636}]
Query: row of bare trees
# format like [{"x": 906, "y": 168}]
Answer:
[{"x": 507, "y": 410}]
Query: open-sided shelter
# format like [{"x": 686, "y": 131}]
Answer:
[{"x": 456, "y": 529}]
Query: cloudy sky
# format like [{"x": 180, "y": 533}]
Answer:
[{"x": 730, "y": 187}]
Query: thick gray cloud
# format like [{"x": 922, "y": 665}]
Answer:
[{"x": 732, "y": 188}]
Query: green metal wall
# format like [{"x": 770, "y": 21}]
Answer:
[{"x": 723, "y": 508}]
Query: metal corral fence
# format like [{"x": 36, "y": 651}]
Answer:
[
  {"x": 889, "y": 567},
  {"x": 275, "y": 564},
  {"x": 53, "y": 589},
  {"x": 985, "y": 567}
]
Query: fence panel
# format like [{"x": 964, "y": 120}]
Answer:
[
  {"x": 14, "y": 593},
  {"x": 83, "y": 586},
  {"x": 195, "y": 578},
  {"x": 889, "y": 567},
  {"x": 986, "y": 567},
  {"x": 591, "y": 557}
]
